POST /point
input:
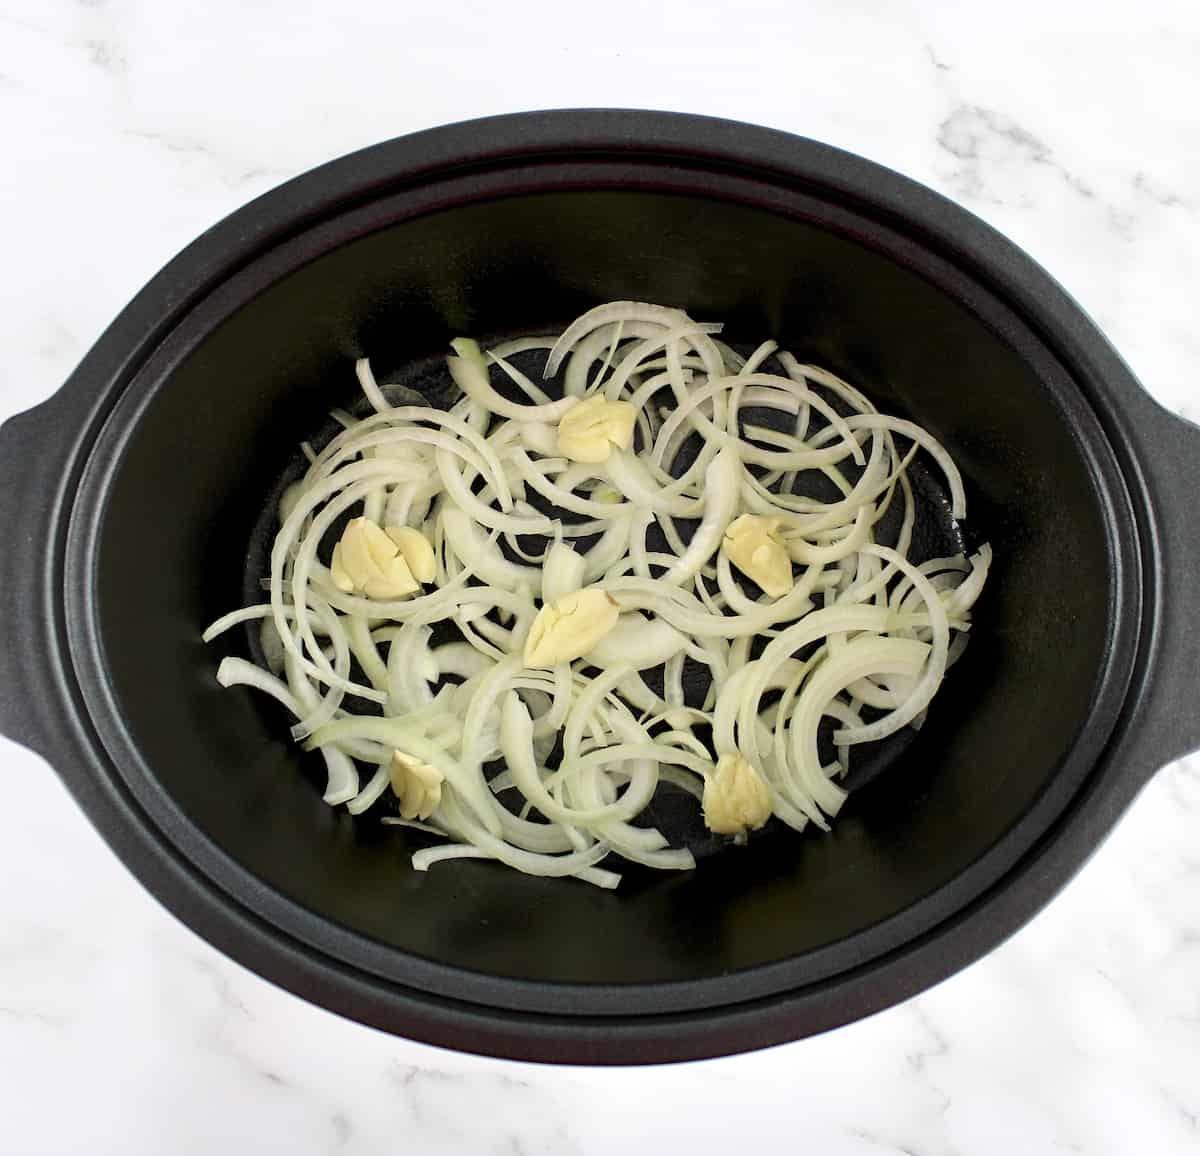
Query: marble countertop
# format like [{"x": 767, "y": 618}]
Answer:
[{"x": 131, "y": 125}]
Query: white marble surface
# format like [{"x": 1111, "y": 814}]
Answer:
[{"x": 131, "y": 125}]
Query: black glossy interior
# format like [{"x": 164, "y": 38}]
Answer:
[{"x": 218, "y": 431}]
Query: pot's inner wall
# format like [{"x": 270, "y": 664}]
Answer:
[{"x": 193, "y": 481}]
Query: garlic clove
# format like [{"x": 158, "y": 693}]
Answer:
[
  {"x": 367, "y": 561},
  {"x": 378, "y": 544},
  {"x": 569, "y": 627},
  {"x": 417, "y": 785},
  {"x": 620, "y": 418},
  {"x": 735, "y": 798},
  {"x": 357, "y": 559},
  {"x": 394, "y": 582},
  {"x": 755, "y": 546},
  {"x": 416, "y": 551},
  {"x": 588, "y": 431}
]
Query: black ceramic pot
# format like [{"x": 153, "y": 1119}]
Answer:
[{"x": 128, "y": 500}]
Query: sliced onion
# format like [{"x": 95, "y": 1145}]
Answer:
[{"x": 735, "y": 439}]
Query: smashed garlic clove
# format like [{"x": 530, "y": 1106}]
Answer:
[
  {"x": 569, "y": 627},
  {"x": 755, "y": 546},
  {"x": 417, "y": 785},
  {"x": 735, "y": 797},
  {"x": 366, "y": 561},
  {"x": 588, "y": 431},
  {"x": 396, "y": 582},
  {"x": 416, "y": 551}
]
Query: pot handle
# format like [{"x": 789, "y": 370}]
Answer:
[
  {"x": 1170, "y": 722},
  {"x": 33, "y": 456}
]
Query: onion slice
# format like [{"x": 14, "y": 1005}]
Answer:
[{"x": 553, "y": 771}]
